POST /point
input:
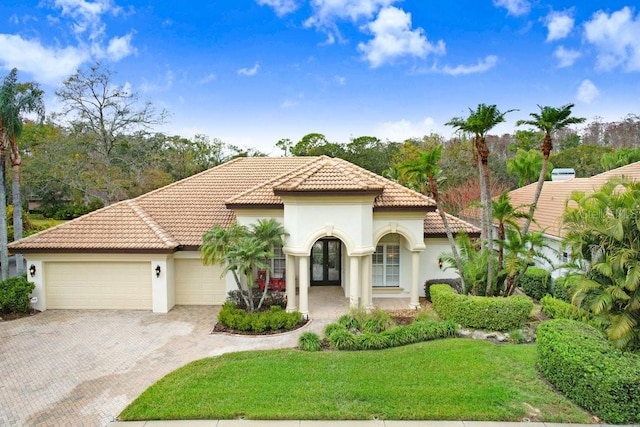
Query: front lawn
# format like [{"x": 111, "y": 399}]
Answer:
[{"x": 452, "y": 379}]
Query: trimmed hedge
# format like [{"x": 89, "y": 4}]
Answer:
[
  {"x": 558, "y": 309},
  {"x": 536, "y": 282},
  {"x": 579, "y": 361},
  {"x": 273, "y": 320},
  {"x": 454, "y": 283},
  {"x": 15, "y": 295},
  {"x": 489, "y": 313},
  {"x": 559, "y": 289}
]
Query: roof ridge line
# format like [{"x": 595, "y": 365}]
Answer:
[
  {"x": 162, "y": 234},
  {"x": 354, "y": 171},
  {"x": 274, "y": 180}
]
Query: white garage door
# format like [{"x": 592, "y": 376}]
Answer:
[
  {"x": 197, "y": 284},
  {"x": 107, "y": 285}
]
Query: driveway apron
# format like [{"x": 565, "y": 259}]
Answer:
[{"x": 82, "y": 367}]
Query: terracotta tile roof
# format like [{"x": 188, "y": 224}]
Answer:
[
  {"x": 433, "y": 225},
  {"x": 555, "y": 194},
  {"x": 327, "y": 175},
  {"x": 180, "y": 213}
]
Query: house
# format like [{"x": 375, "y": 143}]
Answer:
[
  {"x": 552, "y": 202},
  {"x": 346, "y": 226}
]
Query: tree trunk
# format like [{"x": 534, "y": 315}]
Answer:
[
  {"x": 489, "y": 228},
  {"x": 454, "y": 250},
  {"x": 17, "y": 202},
  {"x": 541, "y": 178},
  {"x": 4, "y": 252}
]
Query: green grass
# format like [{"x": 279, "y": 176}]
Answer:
[{"x": 453, "y": 379}]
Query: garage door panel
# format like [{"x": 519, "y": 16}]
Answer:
[
  {"x": 197, "y": 284},
  {"x": 98, "y": 285}
]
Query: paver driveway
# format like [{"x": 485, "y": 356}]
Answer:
[{"x": 81, "y": 368}]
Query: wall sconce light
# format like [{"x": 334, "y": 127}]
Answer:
[
  {"x": 440, "y": 263},
  {"x": 32, "y": 270},
  {"x": 158, "y": 270}
]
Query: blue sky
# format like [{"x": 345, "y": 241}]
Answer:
[{"x": 251, "y": 72}]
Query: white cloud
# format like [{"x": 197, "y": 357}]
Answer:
[
  {"x": 120, "y": 47},
  {"x": 280, "y": 7},
  {"x": 480, "y": 67},
  {"x": 249, "y": 71},
  {"x": 46, "y": 64},
  {"x": 86, "y": 15},
  {"x": 393, "y": 38},
  {"x": 327, "y": 12},
  {"x": 208, "y": 78},
  {"x": 559, "y": 25},
  {"x": 566, "y": 57},
  {"x": 514, "y": 7},
  {"x": 587, "y": 92},
  {"x": 616, "y": 38},
  {"x": 404, "y": 129}
]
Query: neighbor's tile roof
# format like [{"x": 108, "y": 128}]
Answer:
[
  {"x": 180, "y": 213},
  {"x": 554, "y": 196}
]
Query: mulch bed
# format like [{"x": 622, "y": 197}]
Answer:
[{"x": 13, "y": 316}]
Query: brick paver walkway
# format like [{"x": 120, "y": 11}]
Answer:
[{"x": 81, "y": 368}]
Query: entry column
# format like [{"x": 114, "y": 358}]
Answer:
[
  {"x": 291, "y": 283},
  {"x": 354, "y": 285},
  {"x": 415, "y": 280},
  {"x": 304, "y": 285}
]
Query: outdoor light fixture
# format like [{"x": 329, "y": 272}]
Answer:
[
  {"x": 32, "y": 270},
  {"x": 158, "y": 270},
  {"x": 440, "y": 263}
]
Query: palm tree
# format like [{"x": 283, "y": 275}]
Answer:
[
  {"x": 15, "y": 99},
  {"x": 243, "y": 250},
  {"x": 506, "y": 216},
  {"x": 548, "y": 121},
  {"x": 479, "y": 123},
  {"x": 603, "y": 232},
  {"x": 426, "y": 166},
  {"x": 269, "y": 234}
]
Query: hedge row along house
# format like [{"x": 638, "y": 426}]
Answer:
[{"x": 346, "y": 227}]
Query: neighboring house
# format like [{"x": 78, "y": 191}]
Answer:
[
  {"x": 346, "y": 226},
  {"x": 552, "y": 202}
]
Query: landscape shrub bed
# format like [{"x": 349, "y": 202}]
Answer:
[
  {"x": 454, "y": 283},
  {"x": 489, "y": 313},
  {"x": 536, "y": 282},
  {"x": 275, "y": 319},
  {"x": 560, "y": 290},
  {"x": 579, "y": 361},
  {"x": 15, "y": 295}
]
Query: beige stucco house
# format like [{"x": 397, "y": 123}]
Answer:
[{"x": 346, "y": 227}]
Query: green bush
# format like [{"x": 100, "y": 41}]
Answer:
[
  {"x": 328, "y": 330},
  {"x": 275, "y": 319},
  {"x": 490, "y": 313},
  {"x": 342, "y": 340},
  {"x": 378, "y": 321},
  {"x": 309, "y": 341},
  {"x": 15, "y": 295},
  {"x": 536, "y": 282},
  {"x": 454, "y": 283},
  {"x": 579, "y": 361},
  {"x": 371, "y": 341},
  {"x": 559, "y": 289},
  {"x": 558, "y": 309}
]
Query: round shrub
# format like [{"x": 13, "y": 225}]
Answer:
[
  {"x": 536, "y": 282},
  {"x": 560, "y": 290},
  {"x": 579, "y": 361},
  {"x": 490, "y": 313},
  {"x": 378, "y": 321},
  {"x": 454, "y": 283},
  {"x": 328, "y": 330},
  {"x": 342, "y": 340},
  {"x": 309, "y": 341},
  {"x": 15, "y": 294}
]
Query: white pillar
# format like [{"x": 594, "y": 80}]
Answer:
[
  {"x": 291, "y": 283},
  {"x": 304, "y": 285},
  {"x": 367, "y": 300},
  {"x": 161, "y": 300},
  {"x": 415, "y": 280},
  {"x": 38, "y": 279},
  {"x": 354, "y": 285}
]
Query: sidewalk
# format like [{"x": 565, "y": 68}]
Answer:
[{"x": 329, "y": 423}]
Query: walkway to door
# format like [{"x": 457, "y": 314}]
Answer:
[{"x": 329, "y": 302}]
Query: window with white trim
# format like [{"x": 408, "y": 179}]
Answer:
[
  {"x": 386, "y": 265},
  {"x": 278, "y": 263}
]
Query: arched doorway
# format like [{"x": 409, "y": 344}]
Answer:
[{"x": 326, "y": 262}]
